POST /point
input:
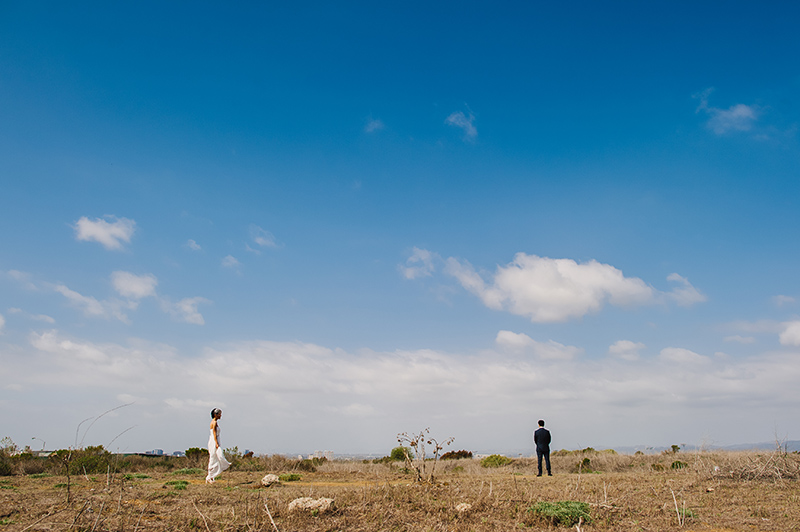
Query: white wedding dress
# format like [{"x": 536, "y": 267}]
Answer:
[{"x": 216, "y": 460}]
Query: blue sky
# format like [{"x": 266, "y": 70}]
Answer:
[{"x": 341, "y": 222}]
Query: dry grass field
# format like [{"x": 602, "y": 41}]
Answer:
[{"x": 711, "y": 491}]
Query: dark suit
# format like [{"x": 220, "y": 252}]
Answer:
[{"x": 541, "y": 437}]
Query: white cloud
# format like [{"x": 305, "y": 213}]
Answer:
[
  {"x": 110, "y": 231},
  {"x": 194, "y": 246},
  {"x": 2, "y": 323},
  {"x": 231, "y": 262},
  {"x": 740, "y": 339},
  {"x": 90, "y": 306},
  {"x": 626, "y": 350},
  {"x": 680, "y": 355},
  {"x": 480, "y": 399},
  {"x": 192, "y": 404},
  {"x": 419, "y": 264},
  {"x": 684, "y": 295},
  {"x": 134, "y": 286},
  {"x": 38, "y": 317},
  {"x": 781, "y": 300},
  {"x": 466, "y": 123},
  {"x": 373, "y": 125},
  {"x": 23, "y": 278},
  {"x": 738, "y": 117},
  {"x": 550, "y": 350},
  {"x": 790, "y": 334},
  {"x": 261, "y": 237},
  {"x": 185, "y": 310},
  {"x": 552, "y": 290}
]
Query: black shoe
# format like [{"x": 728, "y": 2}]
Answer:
[
  {"x": 539, "y": 475},
  {"x": 549, "y": 474}
]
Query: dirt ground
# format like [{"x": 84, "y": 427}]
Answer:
[{"x": 464, "y": 497}]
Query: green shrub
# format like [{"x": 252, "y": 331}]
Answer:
[
  {"x": 677, "y": 464},
  {"x": 456, "y": 455},
  {"x": 196, "y": 456},
  {"x": 657, "y": 467},
  {"x": 307, "y": 465},
  {"x": 397, "y": 455},
  {"x": 289, "y": 477},
  {"x": 562, "y": 513},
  {"x": 177, "y": 484},
  {"x": 496, "y": 460},
  {"x": 584, "y": 466},
  {"x": 82, "y": 461}
]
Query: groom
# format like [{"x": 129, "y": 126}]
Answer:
[{"x": 541, "y": 437}]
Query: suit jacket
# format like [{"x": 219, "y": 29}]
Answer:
[{"x": 542, "y": 440}]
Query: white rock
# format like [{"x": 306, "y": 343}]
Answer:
[
  {"x": 309, "y": 504},
  {"x": 269, "y": 480},
  {"x": 463, "y": 508}
]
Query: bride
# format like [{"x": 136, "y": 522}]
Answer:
[{"x": 216, "y": 460}]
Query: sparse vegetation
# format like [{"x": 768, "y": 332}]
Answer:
[
  {"x": 190, "y": 471},
  {"x": 677, "y": 464},
  {"x": 757, "y": 491},
  {"x": 176, "y": 484},
  {"x": 562, "y": 513}
]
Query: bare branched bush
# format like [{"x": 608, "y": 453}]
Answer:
[{"x": 418, "y": 462}]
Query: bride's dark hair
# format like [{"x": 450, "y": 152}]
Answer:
[{"x": 214, "y": 412}]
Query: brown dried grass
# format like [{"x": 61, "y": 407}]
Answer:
[{"x": 719, "y": 491}]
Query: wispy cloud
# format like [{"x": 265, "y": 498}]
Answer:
[
  {"x": 626, "y": 349},
  {"x": 2, "y": 323},
  {"x": 418, "y": 264},
  {"x": 738, "y": 117},
  {"x": 185, "y": 310},
  {"x": 92, "y": 307},
  {"x": 194, "y": 246},
  {"x": 109, "y": 231},
  {"x": 261, "y": 238},
  {"x": 373, "y": 125},
  {"x": 781, "y": 300},
  {"x": 684, "y": 294},
  {"x": 550, "y": 350},
  {"x": 231, "y": 262},
  {"x": 38, "y": 317},
  {"x": 131, "y": 289},
  {"x": 465, "y": 122}
]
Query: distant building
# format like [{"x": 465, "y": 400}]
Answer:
[
  {"x": 328, "y": 455},
  {"x": 179, "y": 453},
  {"x": 156, "y": 452}
]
